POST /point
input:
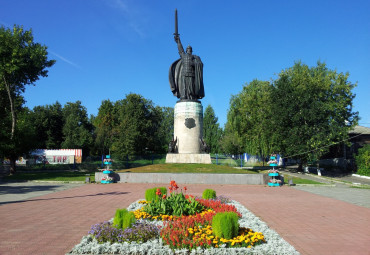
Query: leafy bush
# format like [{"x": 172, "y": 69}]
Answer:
[
  {"x": 209, "y": 194},
  {"x": 363, "y": 160},
  {"x": 151, "y": 194},
  {"x": 123, "y": 219},
  {"x": 128, "y": 220},
  {"x": 119, "y": 216},
  {"x": 225, "y": 225}
]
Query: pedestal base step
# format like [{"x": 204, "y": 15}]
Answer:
[{"x": 188, "y": 158}]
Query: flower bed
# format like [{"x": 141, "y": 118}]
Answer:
[{"x": 156, "y": 232}]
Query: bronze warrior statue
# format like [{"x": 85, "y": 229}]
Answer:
[{"x": 186, "y": 73}]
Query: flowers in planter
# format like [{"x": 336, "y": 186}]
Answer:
[
  {"x": 107, "y": 178},
  {"x": 274, "y": 243},
  {"x": 186, "y": 223},
  {"x": 275, "y": 181},
  {"x": 189, "y": 233},
  {"x": 273, "y": 161},
  {"x": 139, "y": 232},
  {"x": 176, "y": 204}
]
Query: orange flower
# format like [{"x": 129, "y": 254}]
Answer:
[{"x": 158, "y": 192}]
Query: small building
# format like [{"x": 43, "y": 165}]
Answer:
[
  {"x": 343, "y": 156},
  {"x": 59, "y": 156}
]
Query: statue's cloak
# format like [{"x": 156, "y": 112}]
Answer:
[{"x": 177, "y": 82}]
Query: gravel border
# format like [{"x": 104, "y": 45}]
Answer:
[{"x": 274, "y": 243}]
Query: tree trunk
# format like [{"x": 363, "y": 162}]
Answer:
[
  {"x": 12, "y": 110},
  {"x": 7, "y": 86},
  {"x": 300, "y": 166},
  {"x": 12, "y": 166}
]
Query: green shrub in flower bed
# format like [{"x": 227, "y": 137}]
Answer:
[
  {"x": 225, "y": 225},
  {"x": 123, "y": 219},
  {"x": 128, "y": 220},
  {"x": 118, "y": 217},
  {"x": 151, "y": 194},
  {"x": 209, "y": 194}
]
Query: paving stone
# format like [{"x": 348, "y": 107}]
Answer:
[{"x": 53, "y": 223}]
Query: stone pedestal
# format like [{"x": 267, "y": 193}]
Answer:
[
  {"x": 188, "y": 126},
  {"x": 188, "y": 130},
  {"x": 188, "y": 158}
]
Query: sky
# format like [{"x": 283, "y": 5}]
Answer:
[{"x": 106, "y": 49}]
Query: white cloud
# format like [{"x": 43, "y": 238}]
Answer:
[{"x": 130, "y": 14}]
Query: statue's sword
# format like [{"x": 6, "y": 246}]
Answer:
[{"x": 176, "y": 25}]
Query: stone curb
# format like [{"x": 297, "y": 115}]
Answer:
[
  {"x": 315, "y": 185},
  {"x": 361, "y": 176}
]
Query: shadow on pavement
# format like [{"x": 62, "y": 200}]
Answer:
[
  {"x": 5, "y": 190},
  {"x": 69, "y": 197}
]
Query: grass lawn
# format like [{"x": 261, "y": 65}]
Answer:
[
  {"x": 297, "y": 180},
  {"x": 360, "y": 186},
  {"x": 188, "y": 168}
]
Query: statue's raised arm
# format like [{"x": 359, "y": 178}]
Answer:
[{"x": 179, "y": 45}]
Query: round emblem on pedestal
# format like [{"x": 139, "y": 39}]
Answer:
[{"x": 190, "y": 123}]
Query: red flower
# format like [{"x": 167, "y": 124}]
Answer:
[
  {"x": 158, "y": 192},
  {"x": 185, "y": 188},
  {"x": 164, "y": 197}
]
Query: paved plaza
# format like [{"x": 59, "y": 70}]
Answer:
[{"x": 53, "y": 223}]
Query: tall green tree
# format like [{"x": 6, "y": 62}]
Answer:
[
  {"x": 231, "y": 142},
  {"x": 22, "y": 62},
  {"x": 212, "y": 132},
  {"x": 77, "y": 129},
  {"x": 138, "y": 122},
  {"x": 251, "y": 119},
  {"x": 164, "y": 133},
  {"x": 105, "y": 123},
  {"x": 313, "y": 109},
  {"x": 49, "y": 121},
  {"x": 258, "y": 121}
]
